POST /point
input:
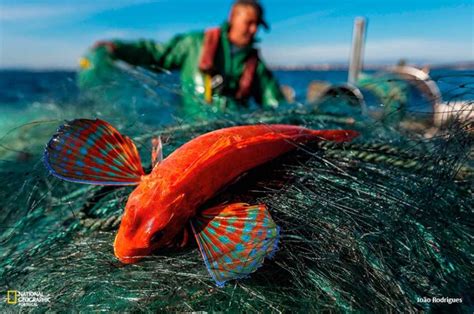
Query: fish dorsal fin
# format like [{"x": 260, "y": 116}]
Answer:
[
  {"x": 93, "y": 152},
  {"x": 156, "y": 151},
  {"x": 234, "y": 239}
]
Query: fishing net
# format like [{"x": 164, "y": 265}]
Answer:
[{"x": 372, "y": 225}]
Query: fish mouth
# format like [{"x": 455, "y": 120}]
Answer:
[
  {"x": 131, "y": 256},
  {"x": 127, "y": 253}
]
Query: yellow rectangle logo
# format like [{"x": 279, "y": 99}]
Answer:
[{"x": 12, "y": 297}]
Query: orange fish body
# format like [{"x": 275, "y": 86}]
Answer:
[{"x": 164, "y": 201}]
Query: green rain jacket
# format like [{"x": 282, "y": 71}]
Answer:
[{"x": 183, "y": 52}]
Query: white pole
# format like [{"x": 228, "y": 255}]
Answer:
[{"x": 356, "y": 58}]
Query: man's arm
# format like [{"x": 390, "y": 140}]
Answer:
[
  {"x": 266, "y": 89},
  {"x": 148, "y": 53}
]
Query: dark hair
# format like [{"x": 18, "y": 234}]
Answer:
[{"x": 258, "y": 8}]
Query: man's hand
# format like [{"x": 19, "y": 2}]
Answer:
[{"x": 85, "y": 63}]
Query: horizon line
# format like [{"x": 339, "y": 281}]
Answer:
[{"x": 341, "y": 65}]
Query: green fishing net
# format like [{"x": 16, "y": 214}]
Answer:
[{"x": 372, "y": 225}]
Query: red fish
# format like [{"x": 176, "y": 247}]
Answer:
[{"x": 234, "y": 239}]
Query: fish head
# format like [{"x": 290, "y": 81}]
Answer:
[{"x": 151, "y": 221}]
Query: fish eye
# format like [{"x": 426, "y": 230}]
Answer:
[{"x": 157, "y": 236}]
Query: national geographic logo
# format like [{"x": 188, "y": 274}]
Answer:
[
  {"x": 27, "y": 298},
  {"x": 12, "y": 297}
]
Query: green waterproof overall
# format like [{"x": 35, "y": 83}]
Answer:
[{"x": 184, "y": 52}]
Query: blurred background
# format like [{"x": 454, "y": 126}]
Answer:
[{"x": 54, "y": 34}]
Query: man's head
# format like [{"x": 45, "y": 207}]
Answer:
[{"x": 244, "y": 19}]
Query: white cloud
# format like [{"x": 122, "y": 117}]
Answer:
[
  {"x": 38, "y": 53},
  {"x": 413, "y": 48},
  {"x": 21, "y": 12},
  {"x": 18, "y": 13},
  {"x": 375, "y": 51},
  {"x": 34, "y": 52},
  {"x": 59, "y": 53},
  {"x": 299, "y": 19}
]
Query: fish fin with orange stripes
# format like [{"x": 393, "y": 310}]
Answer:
[
  {"x": 234, "y": 239},
  {"x": 93, "y": 152}
]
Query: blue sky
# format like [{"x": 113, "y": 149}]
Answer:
[{"x": 54, "y": 34}]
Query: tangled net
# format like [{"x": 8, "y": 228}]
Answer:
[{"x": 371, "y": 225}]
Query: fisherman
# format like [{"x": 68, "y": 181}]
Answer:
[{"x": 219, "y": 66}]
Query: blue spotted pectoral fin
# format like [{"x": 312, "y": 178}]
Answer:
[
  {"x": 234, "y": 239},
  {"x": 93, "y": 152}
]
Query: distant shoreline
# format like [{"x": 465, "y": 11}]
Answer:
[{"x": 468, "y": 65}]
